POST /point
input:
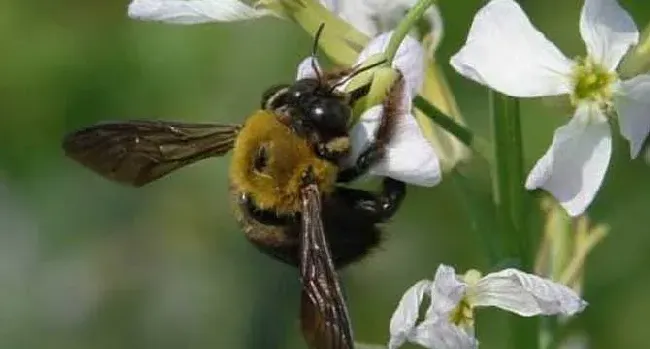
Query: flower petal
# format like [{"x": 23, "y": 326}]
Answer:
[
  {"x": 632, "y": 105},
  {"x": 363, "y": 15},
  {"x": 446, "y": 292},
  {"x": 442, "y": 335},
  {"x": 372, "y": 17},
  {"x": 402, "y": 323},
  {"x": 505, "y": 52},
  {"x": 193, "y": 11},
  {"x": 306, "y": 69},
  {"x": 608, "y": 31},
  {"x": 434, "y": 17},
  {"x": 409, "y": 59},
  {"x": 332, "y": 5},
  {"x": 574, "y": 166},
  {"x": 526, "y": 294},
  {"x": 363, "y": 133},
  {"x": 409, "y": 156}
]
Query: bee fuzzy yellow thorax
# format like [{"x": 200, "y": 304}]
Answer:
[{"x": 268, "y": 163}]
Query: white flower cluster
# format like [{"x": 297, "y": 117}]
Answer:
[
  {"x": 505, "y": 52},
  {"x": 449, "y": 320},
  {"x": 371, "y": 17}
]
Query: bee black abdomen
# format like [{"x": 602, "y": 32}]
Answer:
[
  {"x": 273, "y": 235},
  {"x": 352, "y": 216},
  {"x": 349, "y": 239},
  {"x": 347, "y": 250},
  {"x": 351, "y": 233}
]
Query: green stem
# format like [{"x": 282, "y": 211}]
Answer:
[
  {"x": 405, "y": 26},
  {"x": 508, "y": 196},
  {"x": 548, "y": 329},
  {"x": 459, "y": 131},
  {"x": 480, "y": 212},
  {"x": 474, "y": 142},
  {"x": 508, "y": 176}
]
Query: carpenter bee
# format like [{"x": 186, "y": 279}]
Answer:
[{"x": 285, "y": 182}]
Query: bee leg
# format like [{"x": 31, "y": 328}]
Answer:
[
  {"x": 341, "y": 75},
  {"x": 362, "y": 165},
  {"x": 376, "y": 150},
  {"x": 336, "y": 74},
  {"x": 354, "y": 95},
  {"x": 378, "y": 207}
]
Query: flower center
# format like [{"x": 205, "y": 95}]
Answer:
[
  {"x": 462, "y": 315},
  {"x": 592, "y": 82}
]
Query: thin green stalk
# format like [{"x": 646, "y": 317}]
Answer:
[
  {"x": 508, "y": 176},
  {"x": 459, "y": 131},
  {"x": 508, "y": 196},
  {"x": 405, "y": 26},
  {"x": 548, "y": 329},
  {"x": 480, "y": 213},
  {"x": 479, "y": 145}
]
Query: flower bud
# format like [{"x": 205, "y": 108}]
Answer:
[
  {"x": 340, "y": 41},
  {"x": 637, "y": 60}
]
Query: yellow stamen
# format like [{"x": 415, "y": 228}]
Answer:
[
  {"x": 592, "y": 82},
  {"x": 462, "y": 315}
]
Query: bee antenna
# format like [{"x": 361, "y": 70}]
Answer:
[
  {"x": 355, "y": 73},
  {"x": 314, "y": 49}
]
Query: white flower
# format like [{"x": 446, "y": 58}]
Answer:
[
  {"x": 505, "y": 52},
  {"x": 409, "y": 156},
  {"x": 193, "y": 11},
  {"x": 373, "y": 17},
  {"x": 449, "y": 320}
]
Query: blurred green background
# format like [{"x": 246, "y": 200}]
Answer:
[{"x": 85, "y": 263}]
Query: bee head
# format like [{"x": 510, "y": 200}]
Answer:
[
  {"x": 269, "y": 160},
  {"x": 318, "y": 106}
]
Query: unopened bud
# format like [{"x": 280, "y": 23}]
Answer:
[
  {"x": 637, "y": 61},
  {"x": 339, "y": 40}
]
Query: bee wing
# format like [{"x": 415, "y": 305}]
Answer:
[
  {"x": 138, "y": 152},
  {"x": 324, "y": 315}
]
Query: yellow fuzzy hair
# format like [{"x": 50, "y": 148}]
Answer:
[{"x": 277, "y": 187}]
